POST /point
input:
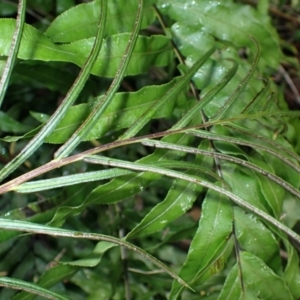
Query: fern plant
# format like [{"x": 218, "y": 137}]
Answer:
[{"x": 173, "y": 114}]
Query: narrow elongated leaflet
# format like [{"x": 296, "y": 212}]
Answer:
[
  {"x": 245, "y": 163},
  {"x": 96, "y": 159},
  {"x": 14, "y": 48},
  {"x": 10, "y": 185},
  {"x": 23, "y": 226},
  {"x": 239, "y": 141},
  {"x": 62, "y": 181},
  {"x": 47, "y": 184},
  {"x": 206, "y": 99},
  {"x": 98, "y": 111},
  {"x": 66, "y": 103},
  {"x": 135, "y": 128},
  {"x": 32, "y": 288}
]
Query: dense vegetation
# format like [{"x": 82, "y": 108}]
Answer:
[{"x": 148, "y": 151}]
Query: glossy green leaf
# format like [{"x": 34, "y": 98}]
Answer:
[
  {"x": 67, "y": 102},
  {"x": 289, "y": 172},
  {"x": 291, "y": 206},
  {"x": 94, "y": 258},
  {"x": 244, "y": 184},
  {"x": 40, "y": 117},
  {"x": 134, "y": 129},
  {"x": 124, "y": 110},
  {"x": 253, "y": 140},
  {"x": 253, "y": 236},
  {"x": 30, "y": 134},
  {"x": 260, "y": 282},
  {"x": 85, "y": 128},
  {"x": 191, "y": 43},
  {"x": 69, "y": 123},
  {"x": 291, "y": 273},
  {"x": 232, "y": 100},
  {"x": 273, "y": 193},
  {"x": 179, "y": 199},
  {"x": 97, "y": 159},
  {"x": 238, "y": 23},
  {"x": 122, "y": 188},
  {"x": 80, "y": 21},
  {"x": 70, "y": 205},
  {"x": 118, "y": 190},
  {"x": 154, "y": 50},
  {"x": 210, "y": 240},
  {"x": 232, "y": 287}
]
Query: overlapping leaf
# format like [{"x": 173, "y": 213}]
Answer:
[
  {"x": 180, "y": 198},
  {"x": 254, "y": 237},
  {"x": 124, "y": 110},
  {"x": 238, "y": 23},
  {"x": 210, "y": 240},
  {"x": 259, "y": 281},
  {"x": 154, "y": 50}
]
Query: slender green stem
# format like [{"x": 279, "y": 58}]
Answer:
[
  {"x": 272, "y": 143},
  {"x": 62, "y": 181},
  {"x": 23, "y": 226},
  {"x": 93, "y": 118},
  {"x": 272, "y": 177},
  {"x": 66, "y": 103},
  {"x": 194, "y": 179},
  {"x": 58, "y": 163},
  {"x": 32, "y": 288},
  {"x": 228, "y": 139},
  {"x": 14, "y": 48},
  {"x": 192, "y": 86},
  {"x": 11, "y": 185}
]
